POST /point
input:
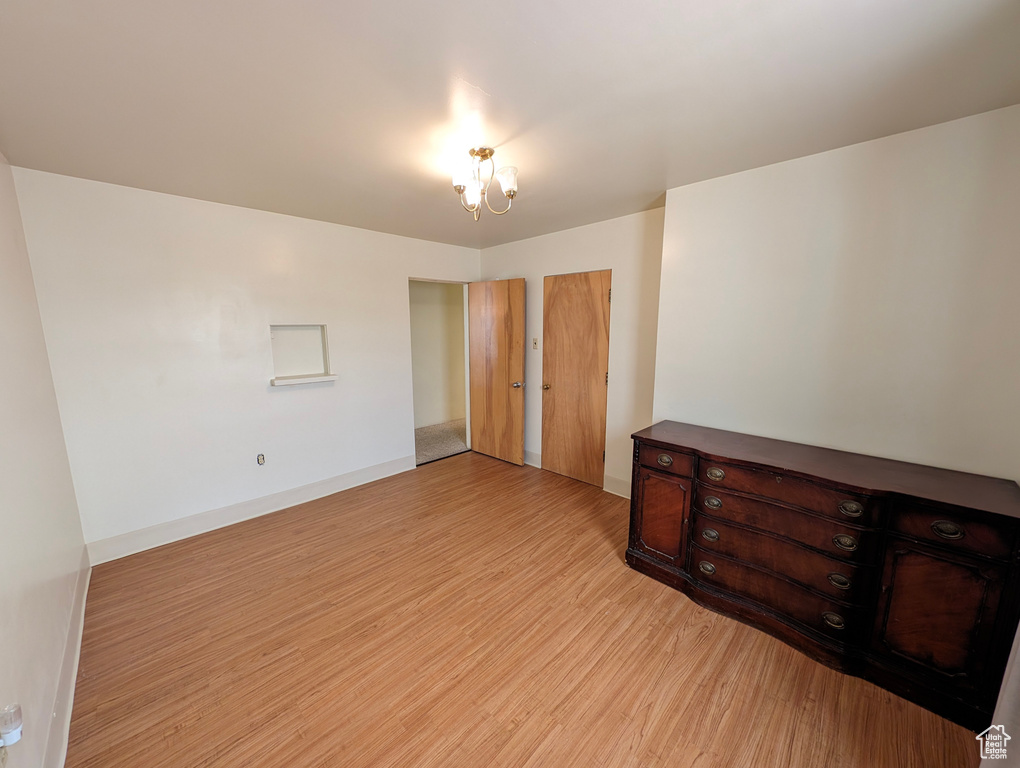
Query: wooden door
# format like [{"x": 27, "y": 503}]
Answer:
[
  {"x": 660, "y": 516},
  {"x": 575, "y": 374},
  {"x": 496, "y": 338},
  {"x": 936, "y": 615}
]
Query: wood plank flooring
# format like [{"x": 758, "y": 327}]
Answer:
[{"x": 467, "y": 613}]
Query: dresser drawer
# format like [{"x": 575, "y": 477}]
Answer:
[
  {"x": 825, "y": 616},
  {"x": 674, "y": 462},
  {"x": 829, "y": 536},
  {"x": 969, "y": 533},
  {"x": 840, "y": 580},
  {"x": 840, "y": 505}
]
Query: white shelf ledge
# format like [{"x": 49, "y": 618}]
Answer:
[{"x": 286, "y": 381}]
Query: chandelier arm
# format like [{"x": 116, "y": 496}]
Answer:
[{"x": 509, "y": 205}]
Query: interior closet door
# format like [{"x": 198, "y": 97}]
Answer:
[
  {"x": 575, "y": 374},
  {"x": 496, "y": 341}
]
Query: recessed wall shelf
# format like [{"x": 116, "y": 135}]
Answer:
[
  {"x": 285, "y": 381},
  {"x": 300, "y": 355}
]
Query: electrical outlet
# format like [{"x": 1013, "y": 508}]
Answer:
[{"x": 261, "y": 459}]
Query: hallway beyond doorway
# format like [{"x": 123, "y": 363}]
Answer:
[{"x": 439, "y": 441}]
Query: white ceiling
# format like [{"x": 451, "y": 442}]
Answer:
[{"x": 348, "y": 112}]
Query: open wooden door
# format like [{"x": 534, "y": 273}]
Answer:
[
  {"x": 496, "y": 340},
  {"x": 575, "y": 374}
]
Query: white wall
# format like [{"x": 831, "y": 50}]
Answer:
[
  {"x": 41, "y": 545},
  {"x": 864, "y": 299},
  {"x": 631, "y": 246},
  {"x": 437, "y": 351},
  {"x": 156, "y": 311}
]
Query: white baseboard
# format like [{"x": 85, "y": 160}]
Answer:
[
  {"x": 115, "y": 547},
  {"x": 617, "y": 486},
  {"x": 60, "y": 724},
  {"x": 533, "y": 459}
]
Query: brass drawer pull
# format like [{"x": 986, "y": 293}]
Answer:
[
  {"x": 834, "y": 620},
  {"x": 706, "y": 567},
  {"x": 665, "y": 460},
  {"x": 851, "y": 508},
  {"x": 947, "y": 529},
  {"x": 839, "y": 581},
  {"x": 714, "y": 473},
  {"x": 710, "y": 534},
  {"x": 845, "y": 542},
  {"x": 713, "y": 503}
]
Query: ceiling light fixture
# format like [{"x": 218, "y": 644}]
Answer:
[{"x": 471, "y": 185}]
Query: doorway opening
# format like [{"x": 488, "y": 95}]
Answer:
[{"x": 438, "y": 370}]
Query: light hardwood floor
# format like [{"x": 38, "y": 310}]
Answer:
[{"x": 467, "y": 613}]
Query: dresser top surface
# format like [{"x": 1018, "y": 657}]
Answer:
[{"x": 866, "y": 473}]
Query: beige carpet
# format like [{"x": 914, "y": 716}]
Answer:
[{"x": 439, "y": 441}]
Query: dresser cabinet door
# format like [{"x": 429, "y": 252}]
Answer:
[
  {"x": 662, "y": 501},
  {"x": 936, "y": 613}
]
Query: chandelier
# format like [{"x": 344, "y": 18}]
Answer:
[{"x": 471, "y": 185}]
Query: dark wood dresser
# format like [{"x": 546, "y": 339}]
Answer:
[{"x": 905, "y": 575}]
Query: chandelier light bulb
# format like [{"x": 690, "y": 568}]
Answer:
[
  {"x": 507, "y": 178},
  {"x": 10, "y": 724}
]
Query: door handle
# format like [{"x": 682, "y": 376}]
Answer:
[
  {"x": 545, "y": 386},
  {"x": 517, "y": 385}
]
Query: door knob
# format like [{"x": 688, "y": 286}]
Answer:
[
  {"x": 545, "y": 386},
  {"x": 517, "y": 385}
]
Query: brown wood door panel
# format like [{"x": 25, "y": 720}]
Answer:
[
  {"x": 575, "y": 370},
  {"x": 663, "y": 501},
  {"x": 496, "y": 332},
  {"x": 936, "y": 611}
]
